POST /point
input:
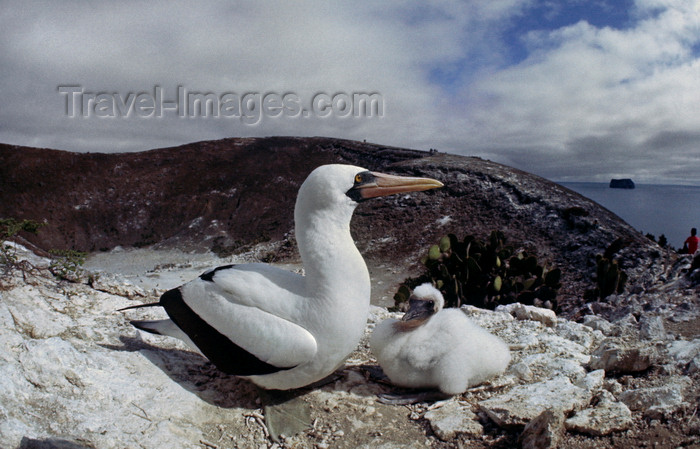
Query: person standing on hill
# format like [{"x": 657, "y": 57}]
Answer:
[{"x": 691, "y": 243}]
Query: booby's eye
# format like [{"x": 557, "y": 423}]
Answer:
[{"x": 361, "y": 180}]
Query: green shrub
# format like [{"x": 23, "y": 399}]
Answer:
[
  {"x": 10, "y": 227},
  {"x": 67, "y": 263}
]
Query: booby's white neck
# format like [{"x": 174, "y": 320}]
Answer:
[{"x": 333, "y": 265}]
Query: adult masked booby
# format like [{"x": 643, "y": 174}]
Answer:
[
  {"x": 432, "y": 347},
  {"x": 279, "y": 329}
]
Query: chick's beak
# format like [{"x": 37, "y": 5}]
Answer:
[{"x": 418, "y": 310}]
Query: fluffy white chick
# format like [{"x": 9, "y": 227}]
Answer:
[{"x": 432, "y": 347}]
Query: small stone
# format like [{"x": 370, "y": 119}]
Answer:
[
  {"x": 566, "y": 363},
  {"x": 627, "y": 320},
  {"x": 523, "y": 403},
  {"x": 116, "y": 285},
  {"x": 612, "y": 386},
  {"x": 521, "y": 370},
  {"x": 613, "y": 357},
  {"x": 452, "y": 419},
  {"x": 583, "y": 335},
  {"x": 597, "y": 323},
  {"x": 543, "y": 432},
  {"x": 593, "y": 381},
  {"x": 604, "y": 395},
  {"x": 651, "y": 327},
  {"x": 656, "y": 402},
  {"x": 605, "y": 418},
  {"x": 532, "y": 313},
  {"x": 684, "y": 351}
]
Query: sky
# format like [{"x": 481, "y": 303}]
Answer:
[{"x": 571, "y": 90}]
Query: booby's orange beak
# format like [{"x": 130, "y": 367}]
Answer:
[{"x": 383, "y": 184}]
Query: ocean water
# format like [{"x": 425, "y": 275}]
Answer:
[{"x": 656, "y": 209}]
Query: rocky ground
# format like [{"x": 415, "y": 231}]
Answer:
[{"x": 75, "y": 374}]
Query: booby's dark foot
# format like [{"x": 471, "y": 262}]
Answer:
[
  {"x": 286, "y": 413},
  {"x": 323, "y": 382},
  {"x": 412, "y": 398},
  {"x": 376, "y": 374}
]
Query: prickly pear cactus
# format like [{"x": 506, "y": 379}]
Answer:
[
  {"x": 485, "y": 274},
  {"x": 610, "y": 278}
]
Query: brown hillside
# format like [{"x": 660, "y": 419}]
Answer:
[{"x": 226, "y": 194}]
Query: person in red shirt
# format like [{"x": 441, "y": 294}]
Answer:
[{"x": 691, "y": 243}]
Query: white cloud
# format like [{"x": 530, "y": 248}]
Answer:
[
  {"x": 586, "y": 90},
  {"x": 581, "y": 90}
]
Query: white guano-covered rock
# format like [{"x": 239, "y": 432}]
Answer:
[
  {"x": 544, "y": 432},
  {"x": 686, "y": 354},
  {"x": 684, "y": 351},
  {"x": 74, "y": 373},
  {"x": 525, "y": 312},
  {"x": 116, "y": 285},
  {"x": 523, "y": 403},
  {"x": 657, "y": 402},
  {"x": 606, "y": 417},
  {"x": 74, "y": 370},
  {"x": 616, "y": 356},
  {"x": 651, "y": 327},
  {"x": 453, "y": 419},
  {"x": 593, "y": 381},
  {"x": 598, "y": 323}
]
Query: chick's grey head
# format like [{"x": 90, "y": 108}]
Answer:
[{"x": 425, "y": 302}]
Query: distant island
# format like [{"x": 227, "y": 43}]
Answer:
[{"x": 625, "y": 183}]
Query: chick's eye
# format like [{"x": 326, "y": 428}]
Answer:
[{"x": 358, "y": 178}]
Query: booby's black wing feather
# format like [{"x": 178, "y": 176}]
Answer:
[
  {"x": 222, "y": 352},
  {"x": 209, "y": 275}
]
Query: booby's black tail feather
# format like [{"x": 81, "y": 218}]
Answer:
[{"x": 139, "y": 306}]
